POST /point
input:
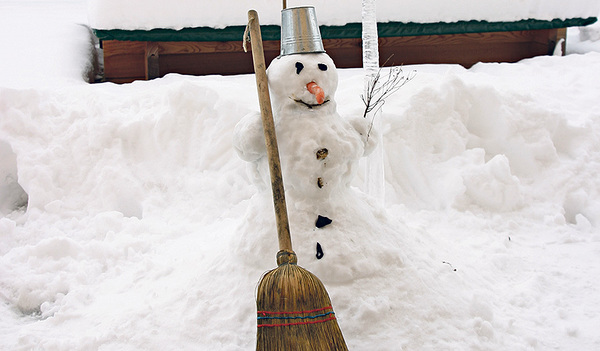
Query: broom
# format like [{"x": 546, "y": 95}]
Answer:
[{"x": 294, "y": 309}]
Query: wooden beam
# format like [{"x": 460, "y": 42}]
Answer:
[
  {"x": 126, "y": 60},
  {"x": 465, "y": 49},
  {"x": 123, "y": 60},
  {"x": 151, "y": 63}
]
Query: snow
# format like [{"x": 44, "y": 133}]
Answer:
[
  {"x": 148, "y": 14},
  {"x": 321, "y": 149},
  {"x": 143, "y": 230}
]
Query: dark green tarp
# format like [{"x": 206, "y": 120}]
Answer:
[{"x": 350, "y": 30}]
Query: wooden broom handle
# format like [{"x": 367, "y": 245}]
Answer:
[{"x": 258, "y": 57}]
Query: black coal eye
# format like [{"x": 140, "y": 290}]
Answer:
[
  {"x": 322, "y": 67},
  {"x": 299, "y": 67}
]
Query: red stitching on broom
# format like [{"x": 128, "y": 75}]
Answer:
[
  {"x": 300, "y": 312},
  {"x": 297, "y": 323}
]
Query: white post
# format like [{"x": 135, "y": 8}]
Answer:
[{"x": 374, "y": 173}]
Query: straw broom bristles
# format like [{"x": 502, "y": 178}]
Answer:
[{"x": 295, "y": 312}]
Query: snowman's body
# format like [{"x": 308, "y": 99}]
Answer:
[{"x": 319, "y": 150}]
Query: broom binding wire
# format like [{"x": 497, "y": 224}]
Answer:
[{"x": 286, "y": 257}]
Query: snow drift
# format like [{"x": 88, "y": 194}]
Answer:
[{"x": 142, "y": 229}]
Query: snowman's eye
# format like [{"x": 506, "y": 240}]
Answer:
[
  {"x": 322, "y": 67},
  {"x": 299, "y": 67}
]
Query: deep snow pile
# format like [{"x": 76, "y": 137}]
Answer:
[
  {"x": 177, "y": 14},
  {"x": 143, "y": 230}
]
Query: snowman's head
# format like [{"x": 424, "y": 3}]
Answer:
[{"x": 303, "y": 82}]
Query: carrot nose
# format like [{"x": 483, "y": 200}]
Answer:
[{"x": 317, "y": 91}]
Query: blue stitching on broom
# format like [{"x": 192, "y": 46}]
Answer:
[
  {"x": 297, "y": 323},
  {"x": 265, "y": 313}
]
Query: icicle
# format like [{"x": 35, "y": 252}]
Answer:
[
  {"x": 374, "y": 172},
  {"x": 370, "y": 49}
]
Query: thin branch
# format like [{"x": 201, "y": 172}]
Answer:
[{"x": 379, "y": 88}]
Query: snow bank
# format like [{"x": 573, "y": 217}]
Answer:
[
  {"x": 148, "y": 14},
  {"x": 143, "y": 230}
]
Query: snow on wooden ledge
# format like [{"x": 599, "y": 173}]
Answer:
[{"x": 178, "y": 14}]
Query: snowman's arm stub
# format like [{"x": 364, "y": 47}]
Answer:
[
  {"x": 369, "y": 136},
  {"x": 248, "y": 138}
]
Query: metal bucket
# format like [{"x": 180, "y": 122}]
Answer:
[{"x": 299, "y": 31}]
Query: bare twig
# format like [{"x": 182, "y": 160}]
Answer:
[{"x": 379, "y": 88}]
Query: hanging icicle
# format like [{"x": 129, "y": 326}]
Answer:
[
  {"x": 370, "y": 49},
  {"x": 374, "y": 176}
]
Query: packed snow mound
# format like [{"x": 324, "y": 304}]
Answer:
[
  {"x": 479, "y": 132},
  {"x": 142, "y": 230},
  {"x": 320, "y": 153},
  {"x": 150, "y": 208},
  {"x": 319, "y": 149},
  {"x": 138, "y": 203},
  {"x": 177, "y": 14}
]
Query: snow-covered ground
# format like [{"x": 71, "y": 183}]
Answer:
[{"x": 143, "y": 231}]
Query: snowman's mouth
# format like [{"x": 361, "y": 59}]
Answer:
[{"x": 311, "y": 105}]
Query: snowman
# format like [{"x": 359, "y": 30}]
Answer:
[{"x": 319, "y": 149}]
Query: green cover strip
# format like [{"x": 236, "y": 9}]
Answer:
[{"x": 348, "y": 31}]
